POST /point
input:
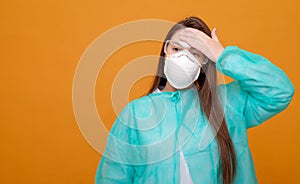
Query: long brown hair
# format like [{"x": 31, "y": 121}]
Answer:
[{"x": 207, "y": 92}]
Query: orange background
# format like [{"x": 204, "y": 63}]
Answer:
[{"x": 42, "y": 42}]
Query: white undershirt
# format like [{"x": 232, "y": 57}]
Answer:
[{"x": 185, "y": 177}]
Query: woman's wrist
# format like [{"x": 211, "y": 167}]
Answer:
[{"x": 218, "y": 53}]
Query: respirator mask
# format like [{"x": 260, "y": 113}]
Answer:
[{"x": 183, "y": 63}]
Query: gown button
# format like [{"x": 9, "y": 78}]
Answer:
[{"x": 175, "y": 96}]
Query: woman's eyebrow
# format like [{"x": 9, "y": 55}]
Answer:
[
  {"x": 174, "y": 41},
  {"x": 181, "y": 43}
]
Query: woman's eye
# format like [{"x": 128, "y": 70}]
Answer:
[
  {"x": 176, "y": 49},
  {"x": 196, "y": 55}
]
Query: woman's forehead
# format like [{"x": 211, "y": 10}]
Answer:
[{"x": 175, "y": 38}]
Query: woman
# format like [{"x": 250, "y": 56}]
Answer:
[{"x": 188, "y": 129}]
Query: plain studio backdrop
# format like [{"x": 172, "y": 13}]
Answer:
[{"x": 43, "y": 41}]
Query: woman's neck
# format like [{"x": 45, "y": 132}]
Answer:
[{"x": 169, "y": 88}]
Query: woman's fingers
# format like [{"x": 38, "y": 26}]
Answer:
[
  {"x": 194, "y": 33},
  {"x": 211, "y": 47},
  {"x": 199, "y": 45},
  {"x": 193, "y": 41}
]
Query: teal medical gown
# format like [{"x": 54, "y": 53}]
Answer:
[{"x": 144, "y": 142}]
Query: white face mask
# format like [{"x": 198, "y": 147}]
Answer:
[{"x": 181, "y": 69}]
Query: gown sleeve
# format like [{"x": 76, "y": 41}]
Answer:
[
  {"x": 265, "y": 88},
  {"x": 114, "y": 166}
]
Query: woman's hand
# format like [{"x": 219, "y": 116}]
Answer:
[{"x": 211, "y": 47}]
